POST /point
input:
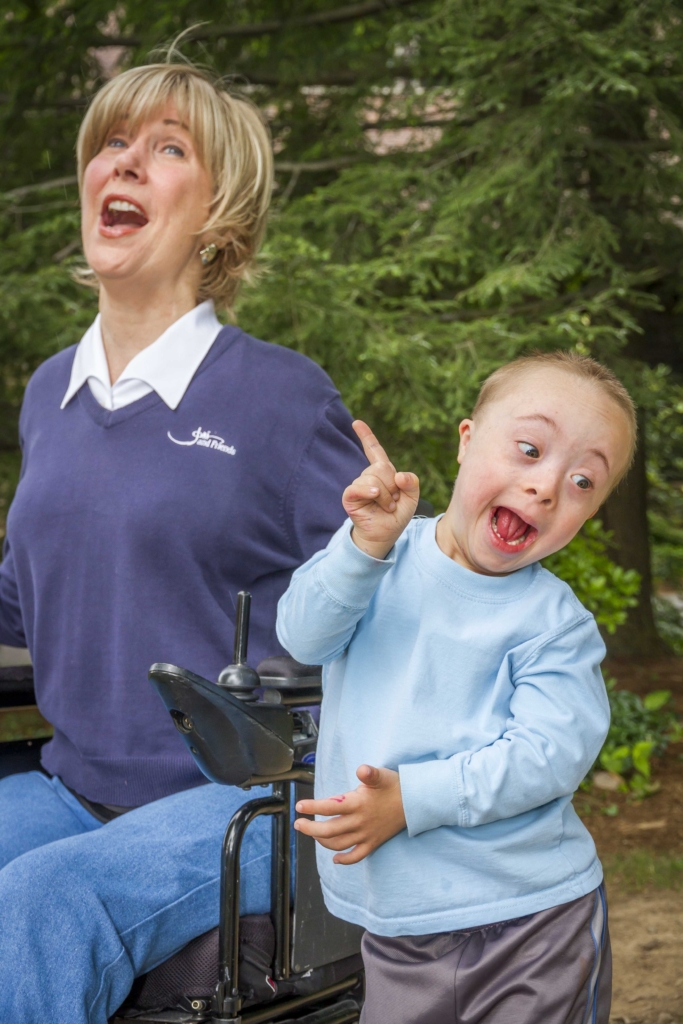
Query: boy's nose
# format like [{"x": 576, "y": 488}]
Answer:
[{"x": 545, "y": 492}]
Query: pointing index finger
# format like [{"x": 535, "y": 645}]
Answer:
[{"x": 371, "y": 446}]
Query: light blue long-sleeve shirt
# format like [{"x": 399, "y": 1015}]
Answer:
[{"x": 485, "y": 693}]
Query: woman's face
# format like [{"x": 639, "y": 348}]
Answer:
[{"x": 145, "y": 195}]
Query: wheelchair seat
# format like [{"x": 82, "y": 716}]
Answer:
[{"x": 187, "y": 980}]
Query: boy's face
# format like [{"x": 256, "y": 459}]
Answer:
[{"x": 538, "y": 462}]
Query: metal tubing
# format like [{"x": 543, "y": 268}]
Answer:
[
  {"x": 300, "y": 773},
  {"x": 227, "y": 999},
  {"x": 280, "y": 880},
  {"x": 272, "y": 1011},
  {"x": 242, "y": 628}
]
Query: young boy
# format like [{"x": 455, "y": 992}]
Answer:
[{"x": 464, "y": 680}]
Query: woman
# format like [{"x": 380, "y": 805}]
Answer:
[{"x": 168, "y": 463}]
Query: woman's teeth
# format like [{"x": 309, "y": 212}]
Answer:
[
  {"x": 122, "y": 205},
  {"x": 123, "y": 212}
]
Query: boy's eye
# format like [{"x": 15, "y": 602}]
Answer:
[
  {"x": 582, "y": 482},
  {"x": 528, "y": 449}
]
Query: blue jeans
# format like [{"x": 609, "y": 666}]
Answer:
[{"x": 86, "y": 907}]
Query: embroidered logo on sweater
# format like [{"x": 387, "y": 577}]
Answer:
[{"x": 205, "y": 439}]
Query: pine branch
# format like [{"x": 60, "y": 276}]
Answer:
[
  {"x": 41, "y": 186},
  {"x": 334, "y": 17}
]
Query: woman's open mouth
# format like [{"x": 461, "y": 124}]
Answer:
[
  {"x": 120, "y": 216},
  {"x": 510, "y": 533}
]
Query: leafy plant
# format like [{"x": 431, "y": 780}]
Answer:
[
  {"x": 640, "y": 728},
  {"x": 604, "y": 588}
]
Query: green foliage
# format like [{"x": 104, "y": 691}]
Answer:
[
  {"x": 604, "y": 588},
  {"x": 663, "y": 399},
  {"x": 526, "y": 198},
  {"x": 457, "y": 183},
  {"x": 640, "y": 729}
]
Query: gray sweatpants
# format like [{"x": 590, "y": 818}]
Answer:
[{"x": 553, "y": 967}]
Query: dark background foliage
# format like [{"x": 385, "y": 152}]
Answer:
[{"x": 457, "y": 182}]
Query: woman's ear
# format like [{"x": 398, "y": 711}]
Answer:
[{"x": 465, "y": 430}]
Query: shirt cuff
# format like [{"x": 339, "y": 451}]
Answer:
[
  {"x": 430, "y": 795},
  {"x": 350, "y": 576}
]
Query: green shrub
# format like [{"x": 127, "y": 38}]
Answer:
[
  {"x": 604, "y": 588},
  {"x": 640, "y": 728}
]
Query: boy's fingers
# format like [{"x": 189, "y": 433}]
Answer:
[
  {"x": 334, "y": 829},
  {"x": 358, "y": 853},
  {"x": 369, "y": 776},
  {"x": 409, "y": 484},
  {"x": 371, "y": 446},
  {"x": 329, "y": 806},
  {"x": 370, "y": 488}
]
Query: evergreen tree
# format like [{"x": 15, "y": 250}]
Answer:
[{"x": 458, "y": 183}]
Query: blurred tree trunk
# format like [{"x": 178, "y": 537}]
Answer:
[{"x": 625, "y": 514}]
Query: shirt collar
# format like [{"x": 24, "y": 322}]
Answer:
[{"x": 167, "y": 365}]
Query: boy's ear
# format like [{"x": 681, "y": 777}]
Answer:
[{"x": 465, "y": 430}]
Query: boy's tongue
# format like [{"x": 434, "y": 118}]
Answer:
[{"x": 509, "y": 525}]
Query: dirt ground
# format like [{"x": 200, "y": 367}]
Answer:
[
  {"x": 647, "y": 926},
  {"x": 647, "y": 944}
]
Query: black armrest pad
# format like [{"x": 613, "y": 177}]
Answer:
[{"x": 284, "y": 673}]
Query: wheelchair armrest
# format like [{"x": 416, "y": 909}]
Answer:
[
  {"x": 231, "y": 740},
  {"x": 284, "y": 673}
]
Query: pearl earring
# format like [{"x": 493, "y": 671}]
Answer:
[{"x": 208, "y": 254}]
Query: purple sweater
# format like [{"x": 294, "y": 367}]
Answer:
[{"x": 132, "y": 531}]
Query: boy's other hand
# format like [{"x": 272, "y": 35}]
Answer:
[
  {"x": 363, "y": 819},
  {"x": 381, "y": 502}
]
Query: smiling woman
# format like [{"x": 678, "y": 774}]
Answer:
[
  {"x": 204, "y": 155},
  {"x": 127, "y": 543}
]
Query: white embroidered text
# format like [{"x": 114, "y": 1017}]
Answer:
[{"x": 205, "y": 439}]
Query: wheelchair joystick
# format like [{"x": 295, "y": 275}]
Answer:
[{"x": 239, "y": 678}]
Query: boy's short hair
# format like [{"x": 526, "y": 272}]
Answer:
[
  {"x": 570, "y": 362},
  {"x": 233, "y": 145}
]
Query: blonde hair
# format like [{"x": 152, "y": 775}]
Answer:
[
  {"x": 502, "y": 379},
  {"x": 233, "y": 145}
]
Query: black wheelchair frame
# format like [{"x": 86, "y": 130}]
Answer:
[{"x": 243, "y": 739}]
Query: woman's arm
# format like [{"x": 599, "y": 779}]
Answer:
[{"x": 11, "y": 624}]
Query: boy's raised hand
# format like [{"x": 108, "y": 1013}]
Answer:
[
  {"x": 363, "y": 819},
  {"x": 381, "y": 502}
]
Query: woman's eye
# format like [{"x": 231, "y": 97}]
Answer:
[
  {"x": 116, "y": 143},
  {"x": 528, "y": 449},
  {"x": 173, "y": 150},
  {"x": 582, "y": 482}
]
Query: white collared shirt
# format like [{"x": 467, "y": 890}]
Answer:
[{"x": 166, "y": 366}]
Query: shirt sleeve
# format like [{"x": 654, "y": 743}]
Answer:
[
  {"x": 331, "y": 459},
  {"x": 559, "y": 717},
  {"x": 326, "y": 599}
]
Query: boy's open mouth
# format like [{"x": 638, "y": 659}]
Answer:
[
  {"x": 510, "y": 532},
  {"x": 122, "y": 213}
]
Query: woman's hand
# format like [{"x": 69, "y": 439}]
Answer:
[
  {"x": 381, "y": 502},
  {"x": 363, "y": 819}
]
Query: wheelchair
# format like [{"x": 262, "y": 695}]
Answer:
[{"x": 252, "y": 728}]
